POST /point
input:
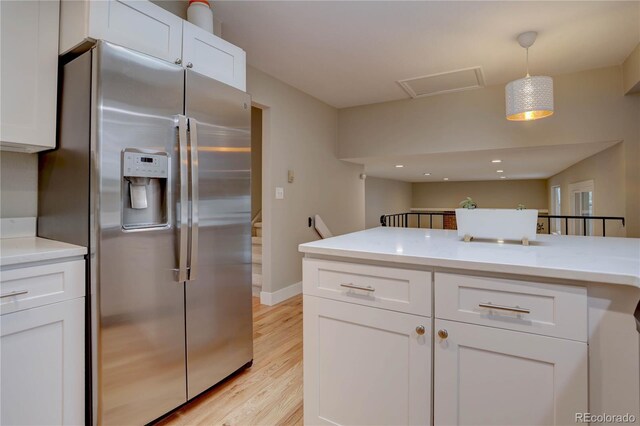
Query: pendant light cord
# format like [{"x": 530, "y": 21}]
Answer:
[{"x": 527, "y": 49}]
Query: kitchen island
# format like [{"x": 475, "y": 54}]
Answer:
[{"x": 415, "y": 326}]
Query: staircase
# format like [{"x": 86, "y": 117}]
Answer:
[{"x": 256, "y": 256}]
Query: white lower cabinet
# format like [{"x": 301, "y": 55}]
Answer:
[
  {"x": 364, "y": 365},
  {"x": 42, "y": 343},
  {"x": 42, "y": 364},
  {"x": 505, "y": 351},
  {"x": 490, "y": 376}
]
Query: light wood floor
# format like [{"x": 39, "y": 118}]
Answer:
[{"x": 268, "y": 393}]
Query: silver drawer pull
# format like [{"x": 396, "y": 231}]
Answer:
[
  {"x": 356, "y": 287},
  {"x": 516, "y": 309},
  {"x": 14, "y": 293}
]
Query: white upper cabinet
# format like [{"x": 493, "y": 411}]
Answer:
[
  {"x": 146, "y": 27},
  {"x": 213, "y": 56},
  {"x": 29, "y": 75},
  {"x": 138, "y": 25}
]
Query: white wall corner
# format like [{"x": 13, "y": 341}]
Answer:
[
  {"x": 17, "y": 227},
  {"x": 631, "y": 72},
  {"x": 280, "y": 295}
]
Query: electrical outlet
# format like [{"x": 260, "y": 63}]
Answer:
[{"x": 279, "y": 193}]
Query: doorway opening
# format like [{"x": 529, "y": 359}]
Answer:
[
  {"x": 556, "y": 209},
  {"x": 256, "y": 200},
  {"x": 581, "y": 202}
]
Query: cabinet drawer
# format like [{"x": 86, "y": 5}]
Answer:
[
  {"x": 399, "y": 290},
  {"x": 546, "y": 309},
  {"x": 25, "y": 288}
]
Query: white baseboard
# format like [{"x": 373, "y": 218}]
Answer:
[{"x": 280, "y": 295}]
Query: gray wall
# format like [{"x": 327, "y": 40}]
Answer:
[
  {"x": 18, "y": 184},
  {"x": 488, "y": 194},
  {"x": 606, "y": 169},
  {"x": 177, "y": 7},
  {"x": 300, "y": 134},
  {"x": 385, "y": 196},
  {"x": 590, "y": 106}
]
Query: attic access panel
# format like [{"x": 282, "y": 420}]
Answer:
[{"x": 446, "y": 82}]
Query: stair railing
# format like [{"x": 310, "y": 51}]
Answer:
[
  {"x": 403, "y": 220},
  {"x": 256, "y": 218},
  {"x": 321, "y": 228}
]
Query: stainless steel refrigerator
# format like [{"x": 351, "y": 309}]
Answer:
[{"x": 152, "y": 173}]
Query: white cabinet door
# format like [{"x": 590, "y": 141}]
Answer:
[
  {"x": 214, "y": 57},
  {"x": 138, "y": 25},
  {"x": 42, "y": 364},
  {"x": 365, "y": 366},
  {"x": 488, "y": 376},
  {"x": 29, "y": 74},
  {"x": 135, "y": 24},
  {"x": 146, "y": 27}
]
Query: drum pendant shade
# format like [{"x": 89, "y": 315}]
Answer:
[{"x": 531, "y": 97}]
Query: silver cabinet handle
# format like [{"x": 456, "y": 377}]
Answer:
[
  {"x": 420, "y": 330},
  {"x": 443, "y": 334},
  {"x": 14, "y": 293},
  {"x": 178, "y": 61},
  {"x": 193, "y": 148},
  {"x": 516, "y": 309},
  {"x": 357, "y": 287},
  {"x": 189, "y": 65},
  {"x": 184, "y": 201}
]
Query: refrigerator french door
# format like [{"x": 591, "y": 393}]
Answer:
[
  {"x": 166, "y": 159},
  {"x": 218, "y": 316}
]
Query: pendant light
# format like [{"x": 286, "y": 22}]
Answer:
[{"x": 529, "y": 98}]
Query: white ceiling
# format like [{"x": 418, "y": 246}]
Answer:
[
  {"x": 517, "y": 163},
  {"x": 350, "y": 53}
]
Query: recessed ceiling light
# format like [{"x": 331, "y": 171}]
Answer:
[
  {"x": 399, "y": 165},
  {"x": 496, "y": 161},
  {"x": 446, "y": 179},
  {"x": 503, "y": 177},
  {"x": 427, "y": 174},
  {"x": 499, "y": 171}
]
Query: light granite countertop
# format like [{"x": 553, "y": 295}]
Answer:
[
  {"x": 595, "y": 259},
  {"x": 16, "y": 251}
]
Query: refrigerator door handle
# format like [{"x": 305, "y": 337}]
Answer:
[
  {"x": 193, "y": 147},
  {"x": 184, "y": 200}
]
